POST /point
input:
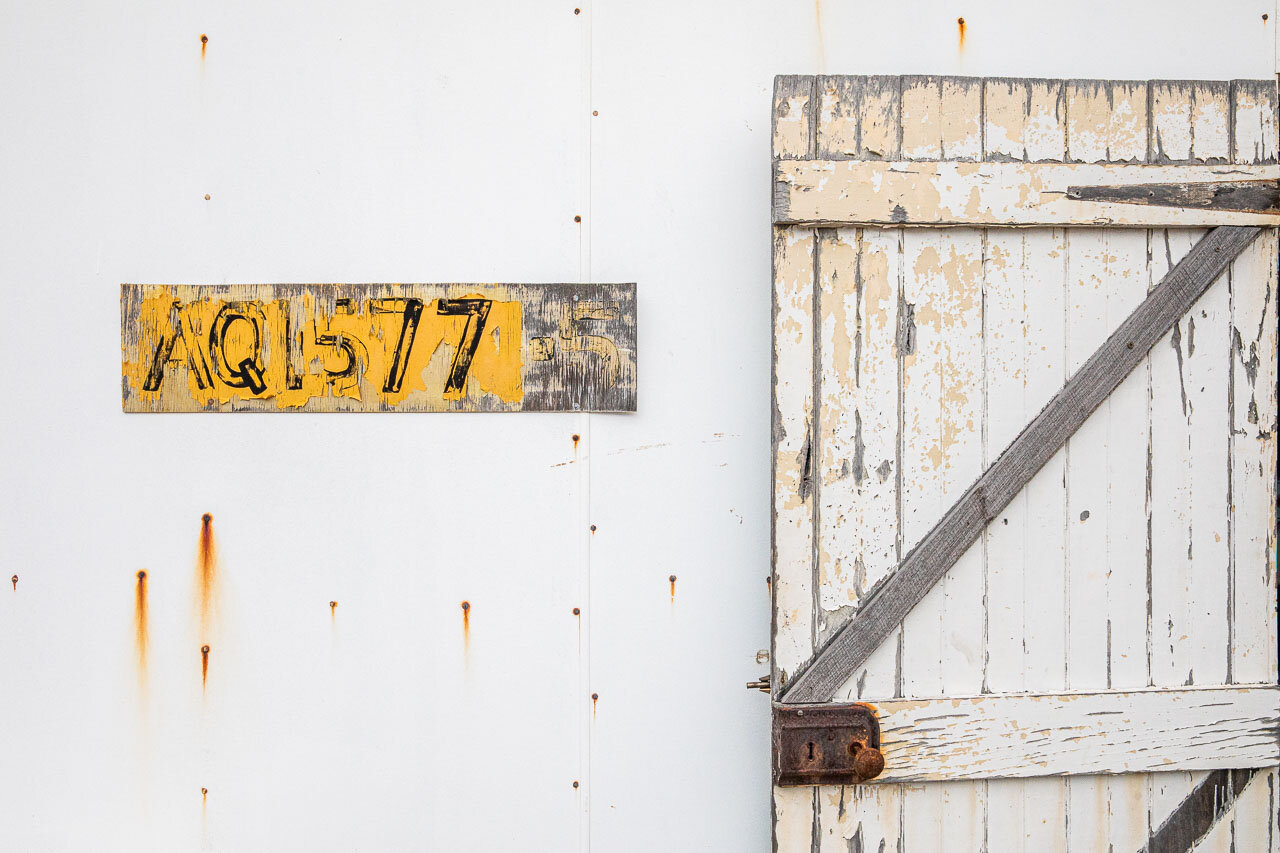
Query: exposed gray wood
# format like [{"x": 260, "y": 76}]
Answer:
[
  {"x": 1252, "y": 196},
  {"x": 886, "y": 605},
  {"x": 1202, "y": 808},
  {"x": 378, "y": 347}
]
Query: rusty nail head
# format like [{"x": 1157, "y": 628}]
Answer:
[{"x": 577, "y": 611}]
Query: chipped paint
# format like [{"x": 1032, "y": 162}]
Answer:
[
  {"x": 858, "y": 192},
  {"x": 378, "y": 347}
]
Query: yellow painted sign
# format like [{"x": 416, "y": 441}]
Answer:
[{"x": 378, "y": 347}]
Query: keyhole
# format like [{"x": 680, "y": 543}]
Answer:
[{"x": 811, "y": 750}]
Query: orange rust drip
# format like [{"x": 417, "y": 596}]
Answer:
[
  {"x": 576, "y": 439},
  {"x": 14, "y": 581},
  {"x": 204, "y": 666},
  {"x": 595, "y": 699},
  {"x": 466, "y": 625},
  {"x": 961, "y": 26},
  {"x": 141, "y": 640},
  {"x": 333, "y": 610},
  {"x": 206, "y": 573},
  {"x": 672, "y": 579},
  {"x": 204, "y": 43}
]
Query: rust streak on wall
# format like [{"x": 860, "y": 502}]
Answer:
[
  {"x": 206, "y": 575},
  {"x": 14, "y": 581},
  {"x": 672, "y": 580},
  {"x": 466, "y": 626},
  {"x": 960, "y": 25},
  {"x": 204, "y": 666},
  {"x": 204, "y": 43},
  {"x": 141, "y": 640}
]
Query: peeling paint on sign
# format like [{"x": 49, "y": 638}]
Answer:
[{"x": 378, "y": 347}]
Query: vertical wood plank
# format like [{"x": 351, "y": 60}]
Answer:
[
  {"x": 858, "y": 419},
  {"x": 941, "y": 456},
  {"x": 860, "y": 286},
  {"x": 879, "y": 117},
  {"x": 859, "y": 817},
  {"x": 793, "y": 617},
  {"x": 1025, "y": 366},
  {"x": 921, "y": 118},
  {"x": 1005, "y": 104},
  {"x": 793, "y": 478},
  {"x": 940, "y": 449},
  {"x": 1169, "y": 521},
  {"x": 1252, "y": 377},
  {"x": 1171, "y": 124},
  {"x": 838, "y": 108},
  {"x": 793, "y": 120},
  {"x": 1026, "y": 613},
  {"x": 1106, "y": 479},
  {"x": 1252, "y": 409},
  {"x": 1044, "y": 131},
  {"x": 961, "y": 119}
]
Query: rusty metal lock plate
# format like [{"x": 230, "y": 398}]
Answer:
[{"x": 825, "y": 744}]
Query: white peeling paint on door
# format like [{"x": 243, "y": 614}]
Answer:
[{"x": 1118, "y": 567}]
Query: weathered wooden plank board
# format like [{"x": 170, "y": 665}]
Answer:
[
  {"x": 378, "y": 347},
  {"x": 852, "y": 192},
  {"x": 1096, "y": 732},
  {"x": 890, "y": 602}
]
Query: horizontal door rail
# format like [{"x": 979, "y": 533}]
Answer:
[
  {"x": 1027, "y": 735},
  {"x": 864, "y": 192}
]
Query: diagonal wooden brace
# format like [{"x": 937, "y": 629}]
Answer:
[{"x": 889, "y": 601}]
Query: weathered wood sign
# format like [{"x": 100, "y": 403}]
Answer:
[{"x": 378, "y": 347}]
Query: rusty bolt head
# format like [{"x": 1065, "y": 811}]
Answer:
[
  {"x": 142, "y": 574},
  {"x": 204, "y": 650},
  {"x": 466, "y": 605},
  {"x": 207, "y": 517},
  {"x": 577, "y": 611},
  {"x": 867, "y": 763},
  {"x": 672, "y": 579}
]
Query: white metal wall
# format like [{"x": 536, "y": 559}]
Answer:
[{"x": 418, "y": 142}]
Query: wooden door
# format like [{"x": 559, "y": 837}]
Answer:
[{"x": 1097, "y": 670}]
